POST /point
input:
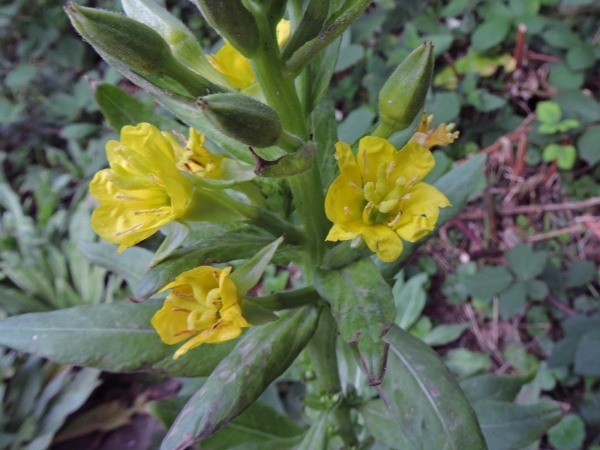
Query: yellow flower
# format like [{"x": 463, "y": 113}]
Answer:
[
  {"x": 441, "y": 135},
  {"x": 235, "y": 67},
  {"x": 142, "y": 191},
  {"x": 379, "y": 196},
  {"x": 203, "y": 303},
  {"x": 197, "y": 159}
]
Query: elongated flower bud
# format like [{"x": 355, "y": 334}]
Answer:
[
  {"x": 243, "y": 118},
  {"x": 136, "y": 47},
  {"x": 234, "y": 22},
  {"x": 403, "y": 96},
  {"x": 184, "y": 45}
]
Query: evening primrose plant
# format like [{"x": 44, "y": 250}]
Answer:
[{"x": 257, "y": 113}]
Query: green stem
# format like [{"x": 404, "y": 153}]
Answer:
[
  {"x": 287, "y": 300},
  {"x": 280, "y": 93},
  {"x": 272, "y": 223},
  {"x": 322, "y": 353}
]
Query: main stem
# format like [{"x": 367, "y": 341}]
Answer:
[{"x": 280, "y": 93}]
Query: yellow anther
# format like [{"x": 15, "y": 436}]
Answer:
[{"x": 396, "y": 219}]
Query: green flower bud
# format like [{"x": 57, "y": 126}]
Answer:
[
  {"x": 286, "y": 165},
  {"x": 133, "y": 46},
  {"x": 310, "y": 26},
  {"x": 243, "y": 118},
  {"x": 403, "y": 95},
  {"x": 184, "y": 45},
  {"x": 234, "y": 22}
]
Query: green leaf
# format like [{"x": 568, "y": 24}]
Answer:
[
  {"x": 262, "y": 354},
  {"x": 507, "y": 426},
  {"x": 409, "y": 298},
  {"x": 466, "y": 363},
  {"x": 20, "y": 76},
  {"x": 324, "y": 129},
  {"x": 563, "y": 78},
  {"x": 260, "y": 426},
  {"x": 561, "y": 36},
  {"x": 512, "y": 301},
  {"x": 445, "y": 334},
  {"x": 525, "y": 263},
  {"x": 117, "y": 337},
  {"x": 457, "y": 185},
  {"x": 424, "y": 399},
  {"x": 576, "y": 105},
  {"x": 490, "y": 33},
  {"x": 356, "y": 124},
  {"x": 320, "y": 70},
  {"x": 548, "y": 112},
  {"x": 588, "y": 145},
  {"x": 122, "y": 109},
  {"x": 247, "y": 275},
  {"x": 489, "y": 281},
  {"x": 317, "y": 436},
  {"x": 580, "y": 273},
  {"x": 490, "y": 386},
  {"x": 349, "y": 56},
  {"x": 536, "y": 289},
  {"x": 587, "y": 355},
  {"x": 362, "y": 304},
  {"x": 581, "y": 57},
  {"x": 568, "y": 434},
  {"x": 233, "y": 245},
  {"x": 380, "y": 423},
  {"x": 176, "y": 234}
]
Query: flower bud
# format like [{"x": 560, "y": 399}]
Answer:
[
  {"x": 286, "y": 165},
  {"x": 133, "y": 46},
  {"x": 403, "y": 95},
  {"x": 184, "y": 45},
  {"x": 234, "y": 22},
  {"x": 243, "y": 118}
]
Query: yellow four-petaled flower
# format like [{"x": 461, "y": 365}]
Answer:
[
  {"x": 204, "y": 305},
  {"x": 379, "y": 195}
]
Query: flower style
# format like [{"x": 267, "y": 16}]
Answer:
[
  {"x": 235, "y": 67},
  {"x": 196, "y": 159},
  {"x": 203, "y": 302},
  {"x": 142, "y": 191},
  {"x": 441, "y": 134},
  {"x": 379, "y": 196}
]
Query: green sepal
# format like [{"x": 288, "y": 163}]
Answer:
[
  {"x": 256, "y": 314},
  {"x": 209, "y": 206},
  {"x": 286, "y": 165},
  {"x": 402, "y": 97},
  {"x": 247, "y": 275},
  {"x": 234, "y": 22},
  {"x": 261, "y": 356},
  {"x": 184, "y": 45},
  {"x": 139, "y": 49},
  {"x": 243, "y": 118}
]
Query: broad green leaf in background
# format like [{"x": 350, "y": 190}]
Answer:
[
  {"x": 355, "y": 124},
  {"x": 587, "y": 354},
  {"x": 122, "y": 109},
  {"x": 507, "y": 426},
  {"x": 563, "y": 78},
  {"x": 588, "y": 145},
  {"x": 548, "y": 112},
  {"x": 581, "y": 57},
  {"x": 117, "y": 337},
  {"x": 489, "y": 281},
  {"x": 362, "y": 304},
  {"x": 580, "y": 273},
  {"x": 492, "y": 32},
  {"x": 177, "y": 232},
  {"x": 512, "y": 301},
  {"x": 424, "y": 399},
  {"x": 262, "y": 354},
  {"x": 568, "y": 434},
  {"x": 466, "y": 363},
  {"x": 490, "y": 386},
  {"x": 260, "y": 426},
  {"x": 525, "y": 263},
  {"x": 409, "y": 298},
  {"x": 577, "y": 105},
  {"x": 445, "y": 333},
  {"x": 324, "y": 130},
  {"x": 317, "y": 437},
  {"x": 564, "y": 155},
  {"x": 232, "y": 245}
]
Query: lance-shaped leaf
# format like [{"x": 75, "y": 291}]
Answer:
[
  {"x": 247, "y": 275},
  {"x": 261, "y": 355},
  {"x": 286, "y": 165},
  {"x": 495, "y": 387},
  {"x": 176, "y": 234},
  {"x": 380, "y": 423},
  {"x": 122, "y": 109},
  {"x": 363, "y": 306},
  {"x": 117, "y": 337},
  {"x": 317, "y": 437},
  {"x": 507, "y": 426},
  {"x": 233, "y": 245},
  {"x": 424, "y": 399}
]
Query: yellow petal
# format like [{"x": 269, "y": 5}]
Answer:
[
  {"x": 345, "y": 231},
  {"x": 344, "y": 201},
  {"x": 221, "y": 333},
  {"x": 382, "y": 240},
  {"x": 284, "y": 28},
  {"x": 171, "y": 325},
  {"x": 347, "y": 163},
  {"x": 234, "y": 66},
  {"x": 413, "y": 162},
  {"x": 372, "y": 152}
]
